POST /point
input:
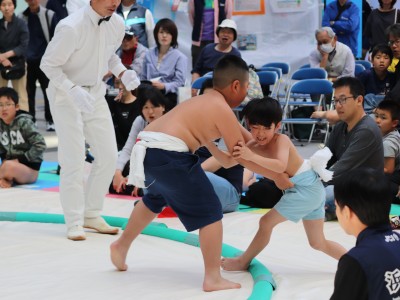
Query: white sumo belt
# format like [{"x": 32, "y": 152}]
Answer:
[{"x": 150, "y": 139}]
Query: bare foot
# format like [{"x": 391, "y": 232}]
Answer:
[
  {"x": 118, "y": 256},
  {"x": 234, "y": 264},
  {"x": 218, "y": 285},
  {"x": 5, "y": 184}
]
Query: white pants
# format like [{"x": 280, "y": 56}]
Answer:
[{"x": 74, "y": 128}]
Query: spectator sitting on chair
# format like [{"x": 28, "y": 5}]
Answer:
[
  {"x": 377, "y": 82},
  {"x": 343, "y": 16},
  {"x": 333, "y": 56},
  {"x": 164, "y": 64},
  {"x": 21, "y": 144},
  {"x": 210, "y": 54},
  {"x": 355, "y": 141},
  {"x": 152, "y": 105}
]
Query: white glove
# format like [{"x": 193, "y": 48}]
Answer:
[
  {"x": 82, "y": 99},
  {"x": 130, "y": 80},
  {"x": 319, "y": 161}
]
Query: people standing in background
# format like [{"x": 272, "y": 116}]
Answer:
[
  {"x": 41, "y": 24},
  {"x": 377, "y": 22},
  {"x": 164, "y": 65},
  {"x": 205, "y": 15},
  {"x": 14, "y": 39},
  {"x": 59, "y": 7},
  {"x": 343, "y": 16},
  {"x": 76, "y": 59},
  {"x": 140, "y": 18}
]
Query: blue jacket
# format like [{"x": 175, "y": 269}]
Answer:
[{"x": 347, "y": 26}]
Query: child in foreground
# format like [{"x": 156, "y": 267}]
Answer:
[
  {"x": 21, "y": 144},
  {"x": 370, "y": 270},
  {"x": 173, "y": 174},
  {"x": 304, "y": 201}
]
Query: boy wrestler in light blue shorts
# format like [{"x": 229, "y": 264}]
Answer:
[{"x": 275, "y": 154}]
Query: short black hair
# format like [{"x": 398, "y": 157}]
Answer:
[
  {"x": 207, "y": 84},
  {"x": 382, "y": 48},
  {"x": 229, "y": 68},
  {"x": 367, "y": 193},
  {"x": 9, "y": 93},
  {"x": 391, "y": 5},
  {"x": 394, "y": 30},
  {"x": 169, "y": 26},
  {"x": 391, "y": 106},
  {"x": 13, "y": 1},
  {"x": 354, "y": 84},
  {"x": 146, "y": 92},
  {"x": 263, "y": 111}
]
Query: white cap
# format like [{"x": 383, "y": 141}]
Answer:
[{"x": 228, "y": 23}]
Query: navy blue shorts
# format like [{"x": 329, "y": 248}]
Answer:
[{"x": 176, "y": 179}]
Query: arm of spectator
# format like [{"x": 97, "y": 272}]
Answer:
[
  {"x": 150, "y": 28},
  {"x": 228, "y": 9},
  {"x": 143, "y": 74},
  {"x": 348, "y": 25},
  {"x": 119, "y": 181},
  {"x": 22, "y": 47},
  {"x": 191, "y": 12},
  {"x": 316, "y": 60},
  {"x": 194, "y": 77},
  {"x": 389, "y": 164},
  {"x": 330, "y": 115},
  {"x": 36, "y": 141}
]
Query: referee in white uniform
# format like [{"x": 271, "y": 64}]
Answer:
[{"x": 80, "y": 53}]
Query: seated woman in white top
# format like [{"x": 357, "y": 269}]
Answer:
[
  {"x": 164, "y": 64},
  {"x": 152, "y": 105}
]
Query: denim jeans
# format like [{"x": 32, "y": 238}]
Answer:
[{"x": 226, "y": 192}]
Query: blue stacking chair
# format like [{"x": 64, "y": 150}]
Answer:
[
  {"x": 358, "y": 69},
  {"x": 305, "y": 66},
  {"x": 310, "y": 87},
  {"x": 268, "y": 78},
  {"x": 367, "y": 64},
  {"x": 285, "y": 67},
  {"x": 198, "y": 83},
  {"x": 302, "y": 74}
]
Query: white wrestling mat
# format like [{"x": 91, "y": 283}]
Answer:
[{"x": 37, "y": 261}]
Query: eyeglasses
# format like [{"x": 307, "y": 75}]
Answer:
[
  {"x": 341, "y": 100},
  {"x": 392, "y": 43},
  {"x": 6, "y": 105},
  {"x": 128, "y": 37}
]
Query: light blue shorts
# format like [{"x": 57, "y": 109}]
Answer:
[{"x": 305, "y": 201}]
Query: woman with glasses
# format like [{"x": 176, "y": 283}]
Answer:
[
  {"x": 165, "y": 66},
  {"x": 14, "y": 38}
]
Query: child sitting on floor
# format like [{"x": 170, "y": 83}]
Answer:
[
  {"x": 370, "y": 270},
  {"x": 21, "y": 144},
  {"x": 304, "y": 201}
]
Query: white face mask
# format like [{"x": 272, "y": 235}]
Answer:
[{"x": 327, "y": 48}]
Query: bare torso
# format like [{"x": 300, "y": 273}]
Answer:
[
  {"x": 280, "y": 147},
  {"x": 200, "y": 120}
]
